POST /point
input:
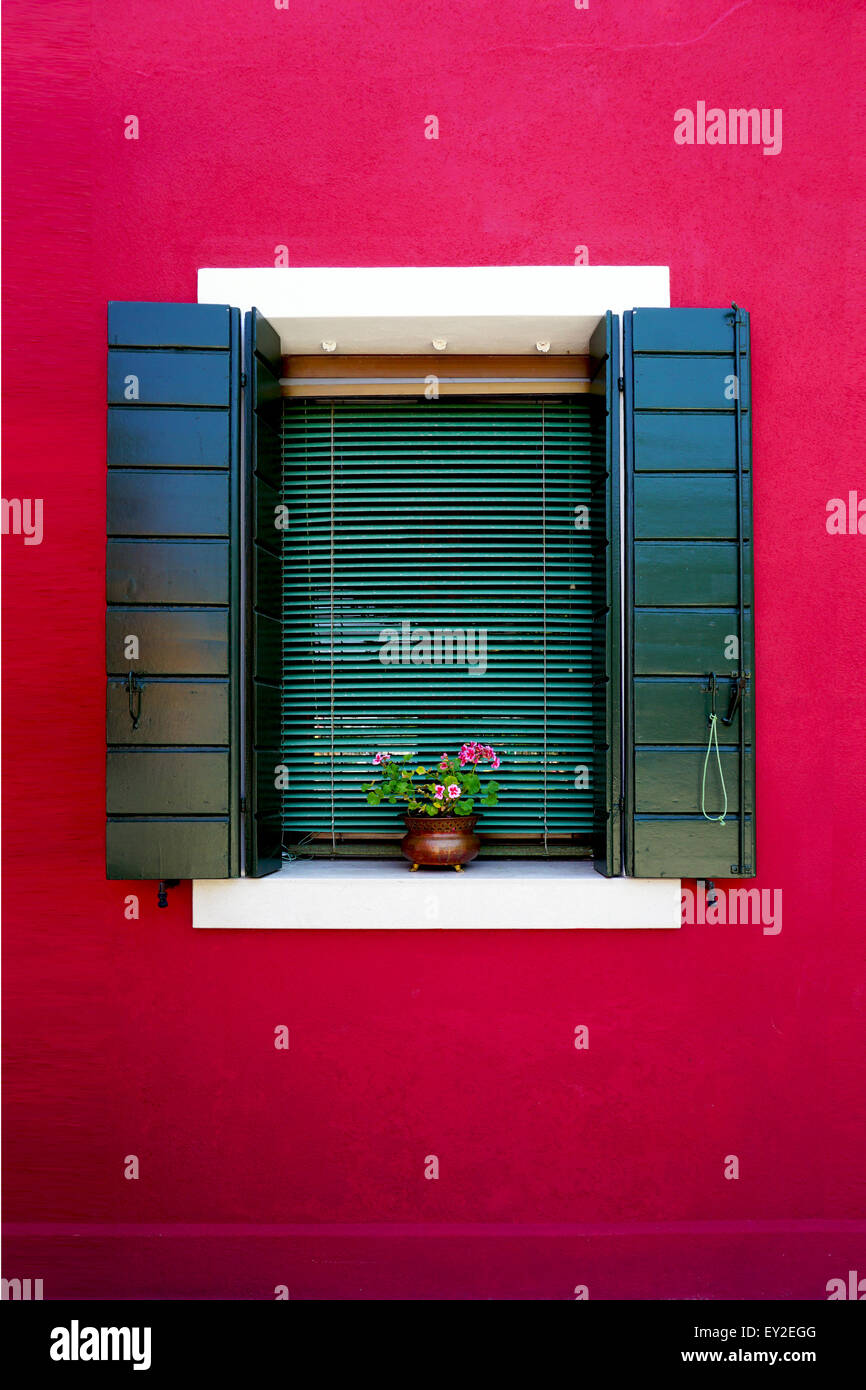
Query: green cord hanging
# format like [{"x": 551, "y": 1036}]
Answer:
[{"x": 713, "y": 739}]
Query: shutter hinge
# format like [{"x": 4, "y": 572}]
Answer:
[
  {"x": 243, "y": 805},
  {"x": 162, "y": 890},
  {"x": 620, "y": 805},
  {"x": 243, "y": 378},
  {"x": 621, "y": 383}
]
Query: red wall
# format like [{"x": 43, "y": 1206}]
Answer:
[{"x": 601, "y": 1167}]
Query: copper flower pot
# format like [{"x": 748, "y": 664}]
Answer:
[{"x": 446, "y": 840}]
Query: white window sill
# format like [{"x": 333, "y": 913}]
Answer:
[{"x": 490, "y": 895}]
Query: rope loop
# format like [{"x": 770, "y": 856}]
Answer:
[{"x": 713, "y": 741}]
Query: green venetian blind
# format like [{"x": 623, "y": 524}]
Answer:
[{"x": 410, "y": 520}]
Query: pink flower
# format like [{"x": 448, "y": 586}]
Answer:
[
  {"x": 453, "y": 791},
  {"x": 439, "y": 792},
  {"x": 495, "y": 763},
  {"x": 381, "y": 758}
]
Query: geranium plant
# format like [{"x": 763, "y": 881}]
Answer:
[{"x": 449, "y": 789}]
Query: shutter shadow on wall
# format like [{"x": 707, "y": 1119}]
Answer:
[
  {"x": 689, "y": 591},
  {"x": 172, "y": 590}
]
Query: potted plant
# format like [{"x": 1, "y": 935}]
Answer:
[{"x": 440, "y": 824}]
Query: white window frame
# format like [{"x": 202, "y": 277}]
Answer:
[{"x": 400, "y": 310}]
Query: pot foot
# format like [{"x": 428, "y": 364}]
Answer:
[
  {"x": 458, "y": 868},
  {"x": 414, "y": 869}
]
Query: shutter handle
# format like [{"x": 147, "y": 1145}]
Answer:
[
  {"x": 133, "y": 690},
  {"x": 738, "y": 688}
]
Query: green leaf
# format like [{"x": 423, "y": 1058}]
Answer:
[
  {"x": 431, "y": 810},
  {"x": 463, "y": 807},
  {"x": 373, "y": 799}
]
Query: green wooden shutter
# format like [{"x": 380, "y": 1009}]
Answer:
[
  {"x": 607, "y": 624},
  {"x": 689, "y": 591},
  {"x": 460, "y": 514},
  {"x": 172, "y": 589},
  {"x": 263, "y": 824}
]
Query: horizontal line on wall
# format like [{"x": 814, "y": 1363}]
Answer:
[{"x": 448, "y": 1229}]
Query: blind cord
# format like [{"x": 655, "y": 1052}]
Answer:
[{"x": 713, "y": 739}]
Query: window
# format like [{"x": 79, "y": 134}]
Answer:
[
  {"x": 199, "y": 603},
  {"x": 437, "y": 585}
]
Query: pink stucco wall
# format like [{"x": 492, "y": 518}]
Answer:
[{"x": 602, "y": 1167}]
